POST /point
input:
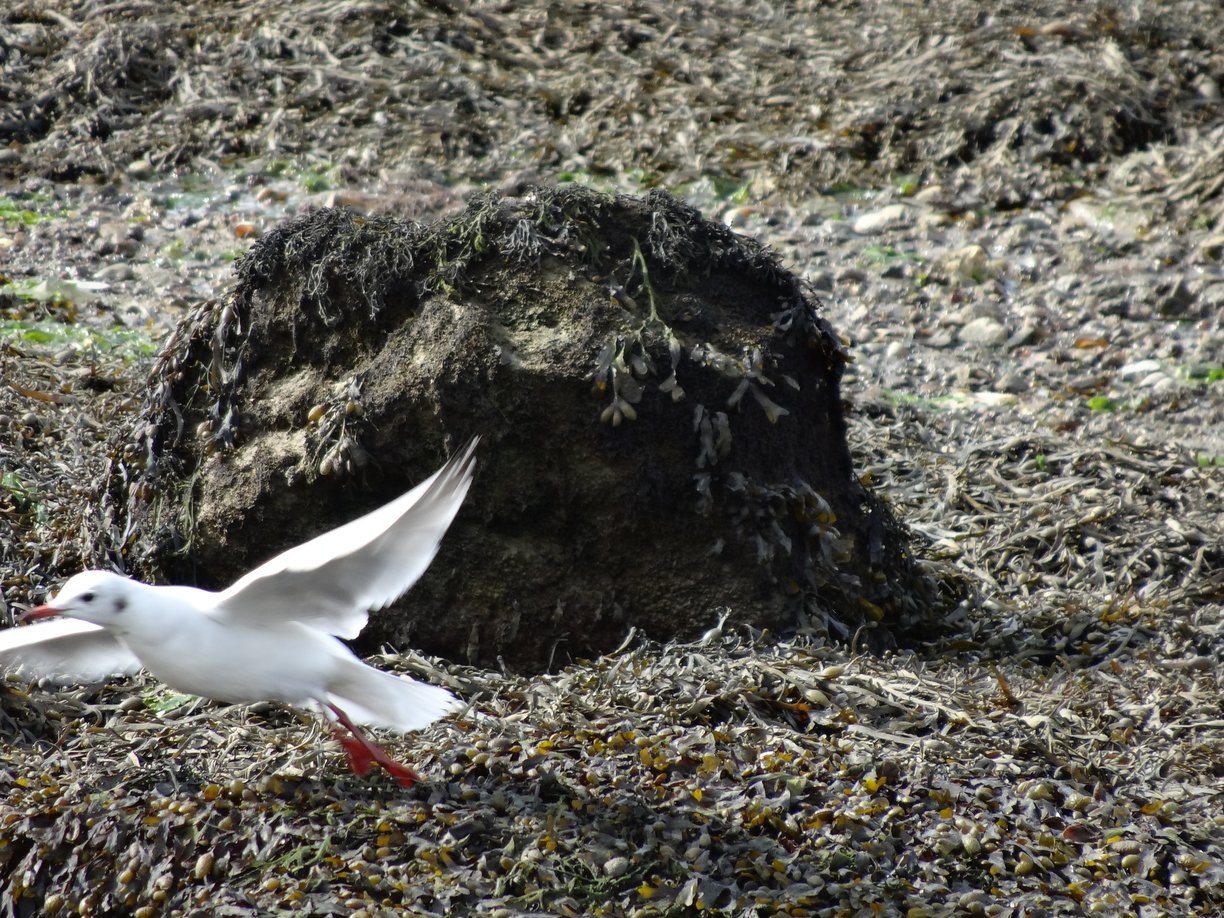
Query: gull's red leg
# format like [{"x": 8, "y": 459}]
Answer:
[
  {"x": 359, "y": 758},
  {"x": 361, "y": 752}
]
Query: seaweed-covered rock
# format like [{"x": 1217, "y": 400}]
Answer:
[{"x": 658, "y": 400}]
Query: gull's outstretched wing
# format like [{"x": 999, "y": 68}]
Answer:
[
  {"x": 64, "y": 650},
  {"x": 334, "y": 580}
]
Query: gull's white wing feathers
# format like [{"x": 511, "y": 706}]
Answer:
[
  {"x": 334, "y": 580},
  {"x": 64, "y": 650}
]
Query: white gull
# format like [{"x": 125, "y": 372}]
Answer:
[{"x": 272, "y": 635}]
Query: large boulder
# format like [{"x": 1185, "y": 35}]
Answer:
[{"x": 658, "y": 401}]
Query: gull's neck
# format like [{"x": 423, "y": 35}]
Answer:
[{"x": 155, "y": 612}]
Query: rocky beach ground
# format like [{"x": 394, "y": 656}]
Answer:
[{"x": 1015, "y": 213}]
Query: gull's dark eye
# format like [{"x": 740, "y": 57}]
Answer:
[{"x": 87, "y": 597}]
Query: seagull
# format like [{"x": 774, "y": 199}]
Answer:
[{"x": 271, "y": 636}]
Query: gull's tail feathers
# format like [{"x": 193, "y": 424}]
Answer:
[{"x": 377, "y": 699}]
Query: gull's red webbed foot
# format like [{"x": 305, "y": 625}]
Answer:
[{"x": 362, "y": 752}]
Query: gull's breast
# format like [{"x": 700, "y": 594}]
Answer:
[{"x": 284, "y": 662}]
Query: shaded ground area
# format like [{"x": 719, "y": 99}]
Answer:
[{"x": 1014, "y": 212}]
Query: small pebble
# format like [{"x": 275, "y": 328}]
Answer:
[
  {"x": 876, "y": 220},
  {"x": 984, "y": 331}
]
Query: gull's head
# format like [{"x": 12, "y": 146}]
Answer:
[{"x": 99, "y": 597}]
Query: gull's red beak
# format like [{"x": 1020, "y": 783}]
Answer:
[{"x": 38, "y": 612}]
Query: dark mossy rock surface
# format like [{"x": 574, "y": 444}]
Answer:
[{"x": 658, "y": 401}]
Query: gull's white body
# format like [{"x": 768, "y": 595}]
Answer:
[
  {"x": 273, "y": 634},
  {"x": 282, "y": 662},
  {"x": 188, "y": 646}
]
